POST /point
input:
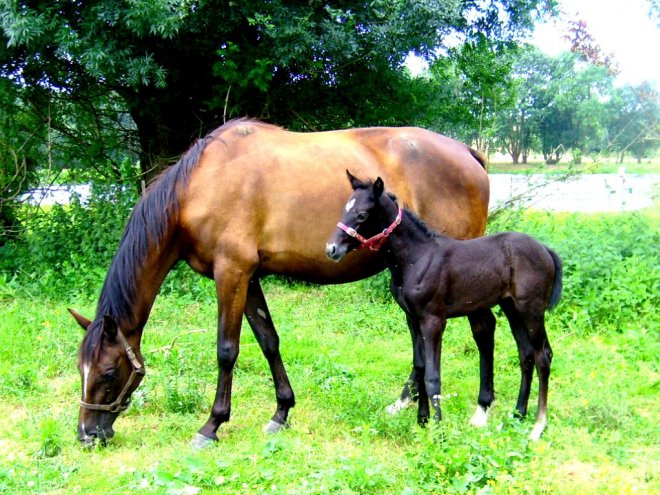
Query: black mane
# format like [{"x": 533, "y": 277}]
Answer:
[
  {"x": 421, "y": 224},
  {"x": 147, "y": 226}
]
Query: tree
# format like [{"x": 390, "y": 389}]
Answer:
[
  {"x": 20, "y": 148},
  {"x": 634, "y": 124},
  {"x": 560, "y": 101},
  {"x": 517, "y": 129},
  {"x": 471, "y": 87},
  {"x": 180, "y": 67}
]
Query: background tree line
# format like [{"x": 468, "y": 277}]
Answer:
[{"x": 112, "y": 92}]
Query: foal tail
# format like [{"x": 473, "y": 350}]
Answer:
[{"x": 557, "y": 284}]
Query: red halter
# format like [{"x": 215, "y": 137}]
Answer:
[{"x": 376, "y": 242}]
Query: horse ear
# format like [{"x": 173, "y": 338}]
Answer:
[
  {"x": 379, "y": 186},
  {"x": 80, "y": 319},
  {"x": 355, "y": 182},
  {"x": 110, "y": 327}
]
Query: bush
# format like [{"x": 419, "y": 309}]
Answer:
[
  {"x": 67, "y": 247},
  {"x": 610, "y": 263}
]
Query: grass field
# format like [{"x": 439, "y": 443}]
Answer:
[
  {"x": 347, "y": 352},
  {"x": 600, "y": 166}
]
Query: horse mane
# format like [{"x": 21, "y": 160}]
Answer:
[{"x": 148, "y": 226}]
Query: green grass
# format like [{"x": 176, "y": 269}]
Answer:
[
  {"x": 647, "y": 166},
  {"x": 347, "y": 352}
]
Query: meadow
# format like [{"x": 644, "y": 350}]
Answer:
[{"x": 347, "y": 351}]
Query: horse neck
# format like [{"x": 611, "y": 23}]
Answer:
[{"x": 131, "y": 285}]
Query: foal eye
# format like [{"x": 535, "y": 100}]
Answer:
[{"x": 362, "y": 216}]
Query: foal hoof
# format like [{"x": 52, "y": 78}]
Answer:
[
  {"x": 273, "y": 427},
  {"x": 200, "y": 442},
  {"x": 399, "y": 405},
  {"x": 480, "y": 417},
  {"x": 537, "y": 431}
]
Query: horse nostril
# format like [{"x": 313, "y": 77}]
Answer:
[{"x": 330, "y": 249}]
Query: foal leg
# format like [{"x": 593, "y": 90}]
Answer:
[
  {"x": 543, "y": 360},
  {"x": 419, "y": 368},
  {"x": 482, "y": 324},
  {"x": 525, "y": 355},
  {"x": 258, "y": 316},
  {"x": 231, "y": 286},
  {"x": 432, "y": 327},
  {"x": 410, "y": 391}
]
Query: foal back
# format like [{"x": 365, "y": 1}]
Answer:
[{"x": 483, "y": 272}]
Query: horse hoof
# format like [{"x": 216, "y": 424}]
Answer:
[
  {"x": 537, "y": 431},
  {"x": 200, "y": 442},
  {"x": 274, "y": 427},
  {"x": 399, "y": 405},
  {"x": 480, "y": 417}
]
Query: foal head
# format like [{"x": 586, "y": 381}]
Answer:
[
  {"x": 363, "y": 222},
  {"x": 110, "y": 372}
]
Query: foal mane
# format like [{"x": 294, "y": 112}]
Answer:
[
  {"x": 148, "y": 227},
  {"x": 418, "y": 222}
]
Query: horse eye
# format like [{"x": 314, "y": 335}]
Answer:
[
  {"x": 109, "y": 376},
  {"x": 362, "y": 216}
]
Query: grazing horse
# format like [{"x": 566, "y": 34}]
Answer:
[
  {"x": 247, "y": 201},
  {"x": 435, "y": 277}
]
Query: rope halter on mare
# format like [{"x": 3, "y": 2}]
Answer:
[
  {"x": 118, "y": 405},
  {"x": 376, "y": 242}
]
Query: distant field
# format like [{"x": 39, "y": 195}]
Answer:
[{"x": 499, "y": 166}]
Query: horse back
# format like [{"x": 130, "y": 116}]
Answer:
[{"x": 277, "y": 194}]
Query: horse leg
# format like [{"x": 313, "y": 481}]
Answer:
[
  {"x": 410, "y": 392},
  {"x": 258, "y": 316},
  {"x": 482, "y": 324},
  {"x": 525, "y": 355},
  {"x": 231, "y": 286},
  {"x": 543, "y": 360},
  {"x": 432, "y": 327}
]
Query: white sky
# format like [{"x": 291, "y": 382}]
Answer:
[{"x": 621, "y": 27}]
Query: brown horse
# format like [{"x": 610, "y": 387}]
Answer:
[
  {"x": 247, "y": 201},
  {"x": 435, "y": 277}
]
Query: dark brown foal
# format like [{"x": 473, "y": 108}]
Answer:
[{"x": 435, "y": 277}]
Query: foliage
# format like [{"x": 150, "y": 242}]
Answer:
[
  {"x": 560, "y": 102},
  {"x": 472, "y": 89},
  {"x": 634, "y": 126},
  {"x": 171, "y": 70}
]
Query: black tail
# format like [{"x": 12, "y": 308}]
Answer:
[{"x": 557, "y": 284}]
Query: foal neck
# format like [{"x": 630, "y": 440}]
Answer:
[{"x": 406, "y": 236}]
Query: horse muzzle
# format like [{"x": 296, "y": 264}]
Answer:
[{"x": 90, "y": 436}]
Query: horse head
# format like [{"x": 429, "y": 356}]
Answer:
[{"x": 110, "y": 371}]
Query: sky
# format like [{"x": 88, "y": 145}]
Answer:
[{"x": 621, "y": 27}]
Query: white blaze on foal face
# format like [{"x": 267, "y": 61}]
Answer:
[{"x": 350, "y": 204}]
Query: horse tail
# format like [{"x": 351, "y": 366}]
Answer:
[
  {"x": 557, "y": 281},
  {"x": 478, "y": 156}
]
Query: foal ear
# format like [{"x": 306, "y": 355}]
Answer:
[
  {"x": 110, "y": 327},
  {"x": 355, "y": 182},
  {"x": 80, "y": 319},
  {"x": 379, "y": 186}
]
